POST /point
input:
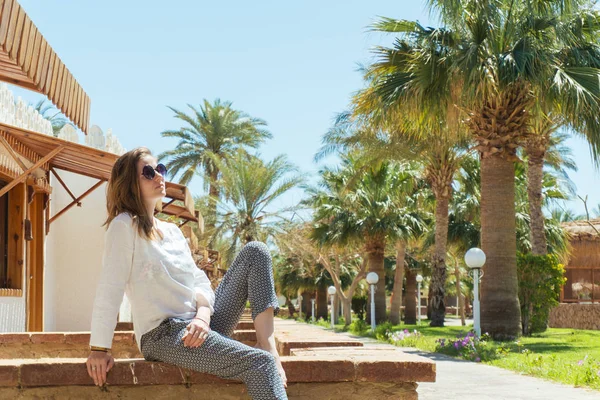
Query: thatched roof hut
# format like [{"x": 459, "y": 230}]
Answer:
[{"x": 583, "y": 268}]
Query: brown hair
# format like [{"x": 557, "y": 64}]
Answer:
[{"x": 123, "y": 193}]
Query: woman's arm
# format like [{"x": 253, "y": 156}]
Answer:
[{"x": 116, "y": 268}]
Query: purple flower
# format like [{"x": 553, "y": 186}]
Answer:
[
  {"x": 478, "y": 359},
  {"x": 580, "y": 363},
  {"x": 456, "y": 345}
]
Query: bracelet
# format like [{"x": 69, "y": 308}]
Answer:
[
  {"x": 203, "y": 320},
  {"x": 97, "y": 348}
]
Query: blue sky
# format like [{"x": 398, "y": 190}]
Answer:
[{"x": 293, "y": 64}]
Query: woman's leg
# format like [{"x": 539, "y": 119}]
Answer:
[
  {"x": 218, "y": 355},
  {"x": 250, "y": 277}
]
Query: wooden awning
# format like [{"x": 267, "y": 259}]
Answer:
[
  {"x": 48, "y": 153},
  {"x": 27, "y": 60}
]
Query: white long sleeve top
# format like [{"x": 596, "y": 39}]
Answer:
[{"x": 160, "y": 278}]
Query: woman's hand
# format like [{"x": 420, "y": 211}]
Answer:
[
  {"x": 98, "y": 364},
  {"x": 197, "y": 332}
]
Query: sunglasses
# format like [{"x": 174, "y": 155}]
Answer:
[{"x": 150, "y": 173}]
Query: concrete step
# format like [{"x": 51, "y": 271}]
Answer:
[{"x": 312, "y": 374}]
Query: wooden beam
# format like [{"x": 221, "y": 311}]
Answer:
[
  {"x": 35, "y": 166},
  {"x": 12, "y": 153},
  {"x": 63, "y": 184},
  {"x": 76, "y": 201}
]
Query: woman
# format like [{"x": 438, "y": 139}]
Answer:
[{"x": 177, "y": 317}]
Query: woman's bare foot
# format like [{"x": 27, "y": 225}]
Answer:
[{"x": 273, "y": 351}]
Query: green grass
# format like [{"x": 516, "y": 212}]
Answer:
[{"x": 569, "y": 356}]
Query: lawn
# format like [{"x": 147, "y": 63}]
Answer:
[{"x": 564, "y": 355}]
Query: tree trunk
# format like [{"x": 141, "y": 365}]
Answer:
[
  {"x": 347, "y": 310},
  {"x": 534, "y": 193},
  {"x": 307, "y": 304},
  {"x": 410, "y": 308},
  {"x": 461, "y": 300},
  {"x": 290, "y": 306},
  {"x": 213, "y": 193},
  {"x": 500, "y": 310},
  {"x": 322, "y": 299},
  {"x": 438, "y": 277},
  {"x": 375, "y": 254},
  {"x": 396, "y": 302}
]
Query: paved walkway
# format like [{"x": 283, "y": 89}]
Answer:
[{"x": 465, "y": 380}]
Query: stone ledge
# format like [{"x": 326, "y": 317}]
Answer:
[
  {"x": 137, "y": 372},
  {"x": 221, "y": 391},
  {"x": 75, "y": 344}
]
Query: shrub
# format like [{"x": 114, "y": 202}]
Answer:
[
  {"x": 540, "y": 281},
  {"x": 359, "y": 306}
]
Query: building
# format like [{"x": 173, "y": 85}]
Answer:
[
  {"x": 579, "y": 306},
  {"x": 52, "y": 190}
]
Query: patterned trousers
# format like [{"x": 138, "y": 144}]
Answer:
[{"x": 250, "y": 277}]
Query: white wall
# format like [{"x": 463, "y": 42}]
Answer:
[
  {"x": 12, "y": 314},
  {"x": 73, "y": 254}
]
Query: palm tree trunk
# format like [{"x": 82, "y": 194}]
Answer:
[
  {"x": 438, "y": 278},
  {"x": 322, "y": 302},
  {"x": 410, "y": 307},
  {"x": 534, "y": 193},
  {"x": 461, "y": 299},
  {"x": 500, "y": 311},
  {"x": 213, "y": 192},
  {"x": 396, "y": 303},
  {"x": 307, "y": 304},
  {"x": 375, "y": 253}
]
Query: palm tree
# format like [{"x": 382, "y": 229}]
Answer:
[
  {"x": 250, "y": 187},
  {"x": 359, "y": 204},
  {"x": 387, "y": 134},
  {"x": 492, "y": 60},
  {"x": 52, "y": 114},
  {"x": 213, "y": 129}
]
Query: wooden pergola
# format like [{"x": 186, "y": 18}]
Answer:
[
  {"x": 27, "y": 60},
  {"x": 35, "y": 151}
]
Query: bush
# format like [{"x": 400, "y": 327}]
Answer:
[
  {"x": 471, "y": 347},
  {"x": 359, "y": 306},
  {"x": 359, "y": 327},
  {"x": 540, "y": 281}
]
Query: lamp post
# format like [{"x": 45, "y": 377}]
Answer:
[
  {"x": 313, "y": 309},
  {"x": 419, "y": 280},
  {"x": 331, "y": 290},
  {"x": 372, "y": 279},
  {"x": 299, "y": 306},
  {"x": 475, "y": 258}
]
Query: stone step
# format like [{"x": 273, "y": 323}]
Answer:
[
  {"x": 291, "y": 335},
  {"x": 310, "y": 376},
  {"x": 75, "y": 344}
]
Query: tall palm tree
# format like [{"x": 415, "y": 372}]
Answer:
[
  {"x": 212, "y": 129},
  {"x": 250, "y": 188},
  {"x": 359, "y": 204},
  {"x": 493, "y": 60},
  {"x": 387, "y": 133}
]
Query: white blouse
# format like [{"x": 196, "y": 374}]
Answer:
[{"x": 160, "y": 278}]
